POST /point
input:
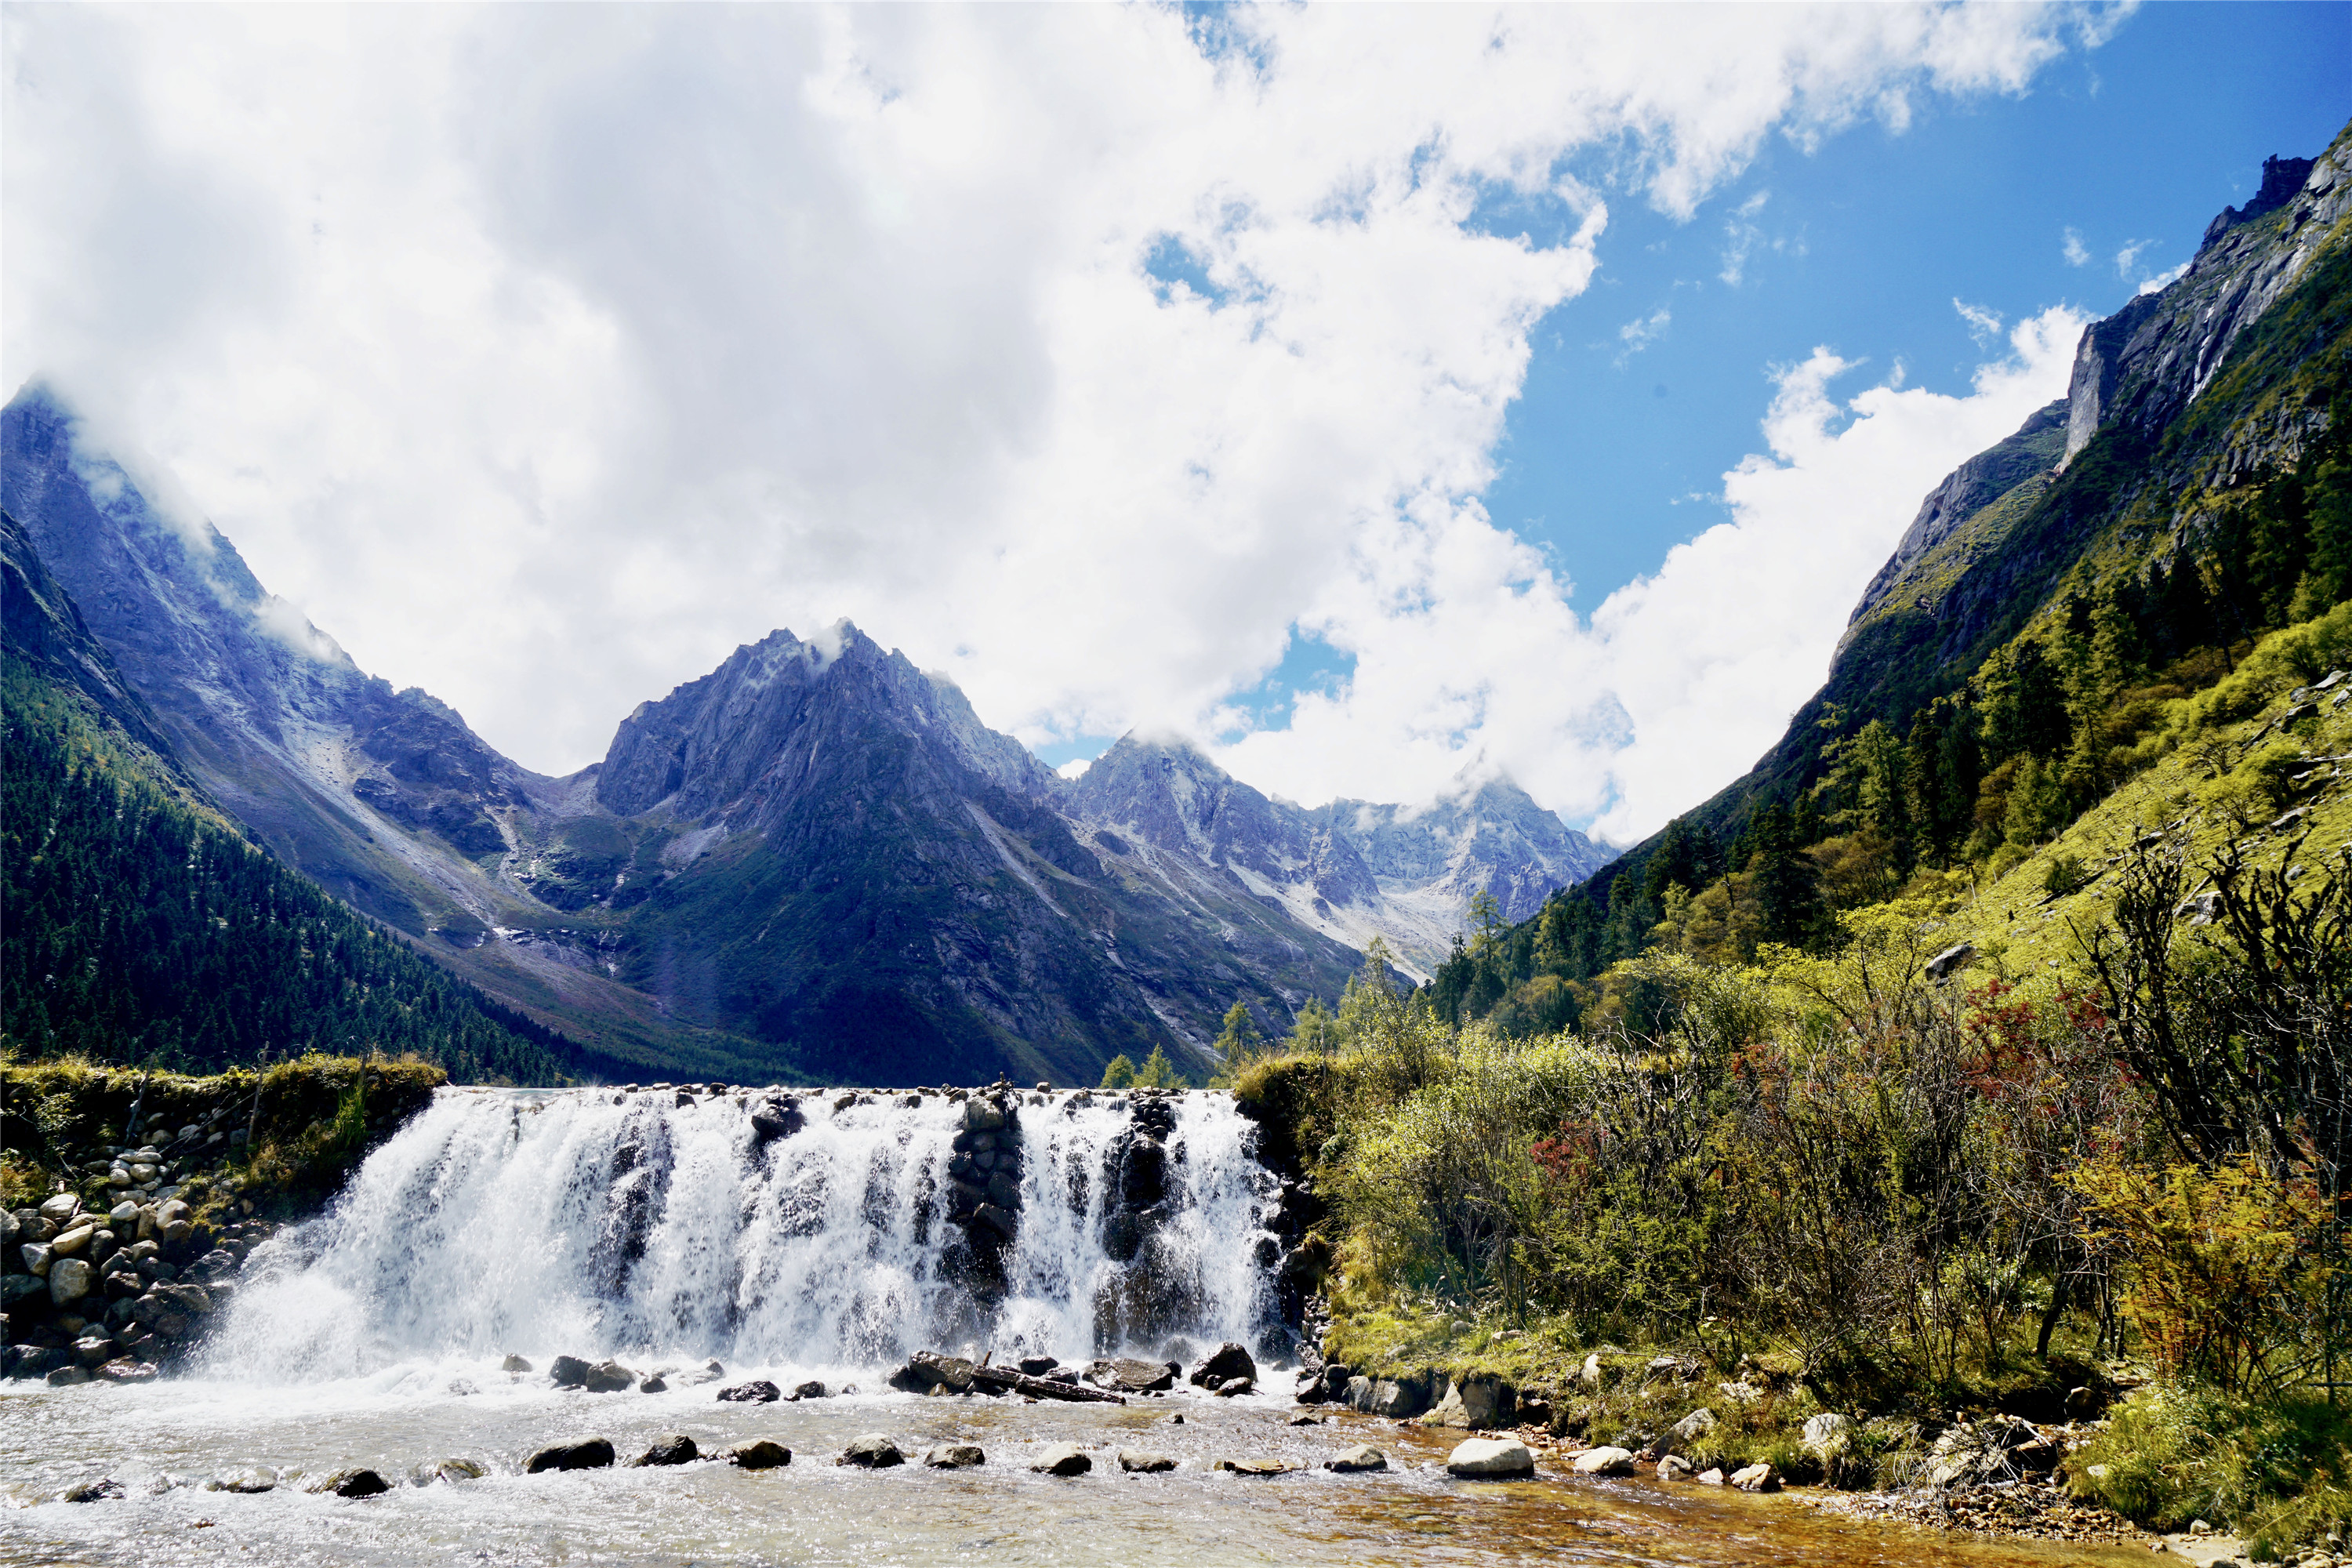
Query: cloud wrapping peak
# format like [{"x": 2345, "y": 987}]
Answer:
[{"x": 544, "y": 354}]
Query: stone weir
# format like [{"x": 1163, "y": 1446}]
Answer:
[{"x": 841, "y": 1228}]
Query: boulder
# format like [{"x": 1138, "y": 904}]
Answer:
[
  {"x": 1478, "y": 1401},
  {"x": 1229, "y": 1361},
  {"x": 1144, "y": 1462},
  {"x": 1757, "y": 1478},
  {"x": 608, "y": 1377},
  {"x": 69, "y": 1281},
  {"x": 954, "y": 1456},
  {"x": 1258, "y": 1467},
  {"x": 1826, "y": 1435},
  {"x": 671, "y": 1448},
  {"x": 1233, "y": 1387},
  {"x": 128, "y": 1369},
  {"x": 514, "y": 1363},
  {"x": 451, "y": 1471},
  {"x": 759, "y": 1455},
  {"x": 585, "y": 1454},
  {"x": 1400, "y": 1397},
  {"x": 1062, "y": 1459},
  {"x": 1603, "y": 1461},
  {"x": 1710, "y": 1478},
  {"x": 653, "y": 1382},
  {"x": 70, "y": 1242},
  {"x": 1352, "y": 1461},
  {"x": 1496, "y": 1457},
  {"x": 1127, "y": 1375},
  {"x": 1039, "y": 1365},
  {"x": 67, "y": 1376},
  {"x": 60, "y": 1208},
  {"x": 104, "y": 1489},
  {"x": 871, "y": 1452},
  {"x": 568, "y": 1371},
  {"x": 759, "y": 1391},
  {"x": 1674, "y": 1468},
  {"x": 353, "y": 1483},
  {"x": 811, "y": 1390}
]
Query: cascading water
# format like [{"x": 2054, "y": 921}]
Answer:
[{"x": 650, "y": 1224}]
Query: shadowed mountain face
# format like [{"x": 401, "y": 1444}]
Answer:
[{"x": 815, "y": 862}]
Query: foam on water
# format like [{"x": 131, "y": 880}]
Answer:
[{"x": 595, "y": 1223}]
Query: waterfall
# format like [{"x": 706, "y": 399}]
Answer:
[{"x": 661, "y": 1224}]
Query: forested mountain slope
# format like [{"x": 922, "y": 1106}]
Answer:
[{"x": 140, "y": 923}]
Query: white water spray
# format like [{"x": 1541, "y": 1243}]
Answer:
[{"x": 596, "y": 1222}]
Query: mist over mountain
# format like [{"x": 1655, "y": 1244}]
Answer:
[{"x": 815, "y": 861}]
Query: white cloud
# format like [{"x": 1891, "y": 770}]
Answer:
[
  {"x": 2129, "y": 256},
  {"x": 1641, "y": 332},
  {"x": 2163, "y": 280},
  {"x": 2077, "y": 254},
  {"x": 1984, "y": 323},
  {"x": 543, "y": 354}
]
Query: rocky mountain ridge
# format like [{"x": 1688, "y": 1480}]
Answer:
[{"x": 814, "y": 861}]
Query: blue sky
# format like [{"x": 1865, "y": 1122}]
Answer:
[{"x": 1129, "y": 374}]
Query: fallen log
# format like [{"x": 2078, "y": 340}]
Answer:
[
  {"x": 926, "y": 1370},
  {"x": 1004, "y": 1380}
]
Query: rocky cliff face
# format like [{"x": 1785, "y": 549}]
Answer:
[
  {"x": 814, "y": 861},
  {"x": 2140, "y": 367}
]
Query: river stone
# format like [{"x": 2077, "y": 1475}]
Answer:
[
  {"x": 1144, "y": 1462},
  {"x": 1127, "y": 1375},
  {"x": 587, "y": 1454},
  {"x": 954, "y": 1456},
  {"x": 672, "y": 1448},
  {"x": 128, "y": 1369},
  {"x": 1039, "y": 1365},
  {"x": 1400, "y": 1397},
  {"x": 759, "y": 1391},
  {"x": 1710, "y": 1478},
  {"x": 1757, "y": 1478},
  {"x": 514, "y": 1363},
  {"x": 69, "y": 1242},
  {"x": 1497, "y": 1457},
  {"x": 69, "y": 1281},
  {"x": 354, "y": 1482},
  {"x": 1259, "y": 1467},
  {"x": 1603, "y": 1462},
  {"x": 1674, "y": 1468},
  {"x": 451, "y": 1470},
  {"x": 760, "y": 1454},
  {"x": 1062, "y": 1459},
  {"x": 102, "y": 1491},
  {"x": 1363, "y": 1456},
  {"x": 811, "y": 1390},
  {"x": 1229, "y": 1361},
  {"x": 248, "y": 1481},
  {"x": 871, "y": 1452},
  {"x": 67, "y": 1376},
  {"x": 1233, "y": 1387},
  {"x": 569, "y": 1372},
  {"x": 654, "y": 1383},
  {"x": 1479, "y": 1401},
  {"x": 609, "y": 1377},
  {"x": 61, "y": 1208}
]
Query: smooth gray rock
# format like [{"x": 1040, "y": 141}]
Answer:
[
  {"x": 69, "y": 1281},
  {"x": 1603, "y": 1461},
  {"x": 584, "y": 1454},
  {"x": 1228, "y": 1360},
  {"x": 1352, "y": 1461},
  {"x": 871, "y": 1452},
  {"x": 608, "y": 1377},
  {"x": 954, "y": 1456},
  {"x": 759, "y": 1391},
  {"x": 1062, "y": 1459},
  {"x": 760, "y": 1454},
  {"x": 1757, "y": 1478},
  {"x": 671, "y": 1448},
  {"x": 1492, "y": 1457},
  {"x": 1144, "y": 1462}
]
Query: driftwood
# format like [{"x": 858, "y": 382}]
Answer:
[{"x": 929, "y": 1369}]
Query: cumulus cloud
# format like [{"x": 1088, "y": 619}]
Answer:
[{"x": 543, "y": 354}]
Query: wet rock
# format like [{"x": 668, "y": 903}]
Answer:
[
  {"x": 1233, "y": 1387},
  {"x": 759, "y": 1391},
  {"x": 1492, "y": 1457},
  {"x": 994, "y": 1221},
  {"x": 760, "y": 1454},
  {"x": 451, "y": 1471},
  {"x": 1712, "y": 1478},
  {"x": 671, "y": 1448},
  {"x": 354, "y": 1482},
  {"x": 1605, "y": 1461},
  {"x": 462, "y": 1387},
  {"x": 1258, "y": 1467},
  {"x": 653, "y": 1382},
  {"x": 1757, "y": 1478},
  {"x": 1062, "y": 1459},
  {"x": 608, "y": 1377},
  {"x": 94, "y": 1350},
  {"x": 128, "y": 1369},
  {"x": 871, "y": 1452},
  {"x": 1144, "y": 1462},
  {"x": 1039, "y": 1365},
  {"x": 1310, "y": 1420},
  {"x": 954, "y": 1456},
  {"x": 65, "y": 1376},
  {"x": 1353, "y": 1461},
  {"x": 811, "y": 1390},
  {"x": 1229, "y": 1361},
  {"x": 69, "y": 1281},
  {"x": 1674, "y": 1468},
  {"x": 587, "y": 1454},
  {"x": 60, "y": 1208},
  {"x": 250, "y": 1481},
  {"x": 567, "y": 1371},
  {"x": 1129, "y": 1375},
  {"x": 1399, "y": 1398},
  {"x": 105, "y": 1490},
  {"x": 514, "y": 1363}
]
